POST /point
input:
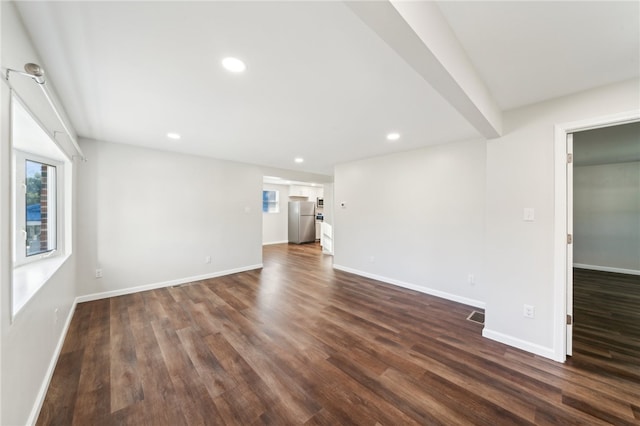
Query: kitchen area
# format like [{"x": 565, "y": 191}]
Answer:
[{"x": 295, "y": 213}]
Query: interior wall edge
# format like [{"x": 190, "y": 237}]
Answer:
[
  {"x": 426, "y": 290},
  {"x": 522, "y": 344},
  {"x": 607, "y": 269},
  {"x": 130, "y": 290},
  {"x": 275, "y": 242}
]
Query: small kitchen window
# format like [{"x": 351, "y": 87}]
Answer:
[{"x": 270, "y": 201}]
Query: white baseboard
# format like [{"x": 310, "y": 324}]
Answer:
[
  {"x": 131, "y": 290},
  {"x": 275, "y": 242},
  {"x": 521, "y": 344},
  {"x": 42, "y": 392},
  {"x": 606, "y": 269},
  {"x": 421, "y": 289}
]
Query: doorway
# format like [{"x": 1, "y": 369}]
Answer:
[
  {"x": 563, "y": 247},
  {"x": 278, "y": 193},
  {"x": 604, "y": 260}
]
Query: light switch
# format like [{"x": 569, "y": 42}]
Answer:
[{"x": 529, "y": 214}]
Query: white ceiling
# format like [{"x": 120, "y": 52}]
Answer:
[
  {"x": 530, "y": 51},
  {"x": 320, "y": 83}
]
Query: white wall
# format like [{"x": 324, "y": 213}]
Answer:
[
  {"x": 150, "y": 217},
  {"x": 607, "y": 145},
  {"x": 275, "y": 225},
  {"x": 28, "y": 344},
  {"x": 520, "y": 173},
  {"x": 329, "y": 205},
  {"x": 606, "y": 205},
  {"x": 415, "y": 218},
  {"x": 327, "y": 232},
  {"x": 428, "y": 218},
  {"x": 296, "y": 175}
]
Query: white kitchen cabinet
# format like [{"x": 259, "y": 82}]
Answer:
[
  {"x": 312, "y": 193},
  {"x": 300, "y": 191}
]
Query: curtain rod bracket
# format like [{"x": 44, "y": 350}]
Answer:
[
  {"x": 10, "y": 70},
  {"x": 36, "y": 73}
]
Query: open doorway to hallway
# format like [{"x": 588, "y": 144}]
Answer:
[{"x": 606, "y": 248}]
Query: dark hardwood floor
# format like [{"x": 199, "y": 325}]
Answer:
[
  {"x": 607, "y": 324},
  {"x": 300, "y": 343}
]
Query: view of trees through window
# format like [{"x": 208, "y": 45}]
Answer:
[{"x": 40, "y": 207}]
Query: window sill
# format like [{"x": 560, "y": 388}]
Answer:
[{"x": 28, "y": 279}]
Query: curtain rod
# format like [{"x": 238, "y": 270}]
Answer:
[
  {"x": 52, "y": 135},
  {"x": 36, "y": 73}
]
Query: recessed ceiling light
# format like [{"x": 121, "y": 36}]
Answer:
[
  {"x": 393, "y": 136},
  {"x": 299, "y": 160},
  {"x": 172, "y": 135},
  {"x": 233, "y": 65}
]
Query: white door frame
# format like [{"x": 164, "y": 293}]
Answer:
[
  {"x": 569, "y": 247},
  {"x": 560, "y": 218}
]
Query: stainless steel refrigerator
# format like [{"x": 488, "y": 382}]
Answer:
[{"x": 302, "y": 222}]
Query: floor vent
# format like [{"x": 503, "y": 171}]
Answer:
[{"x": 476, "y": 316}]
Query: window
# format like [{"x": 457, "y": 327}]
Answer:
[
  {"x": 36, "y": 206},
  {"x": 270, "y": 202},
  {"x": 40, "y": 201},
  {"x": 41, "y": 204}
]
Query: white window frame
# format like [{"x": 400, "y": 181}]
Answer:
[
  {"x": 31, "y": 140},
  {"x": 20, "y": 250},
  {"x": 276, "y": 202}
]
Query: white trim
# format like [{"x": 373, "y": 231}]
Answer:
[
  {"x": 568, "y": 169},
  {"x": 275, "y": 242},
  {"x": 153, "y": 286},
  {"x": 607, "y": 269},
  {"x": 37, "y": 406},
  {"x": 521, "y": 344},
  {"x": 560, "y": 218},
  {"x": 421, "y": 289}
]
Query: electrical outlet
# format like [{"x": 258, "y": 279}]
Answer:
[
  {"x": 372, "y": 259},
  {"x": 471, "y": 279},
  {"x": 529, "y": 311},
  {"x": 98, "y": 273},
  {"x": 529, "y": 214},
  {"x": 207, "y": 259}
]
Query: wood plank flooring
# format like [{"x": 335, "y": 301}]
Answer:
[
  {"x": 299, "y": 343},
  {"x": 607, "y": 323}
]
